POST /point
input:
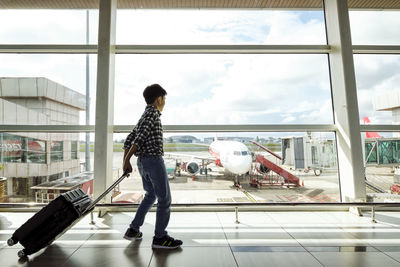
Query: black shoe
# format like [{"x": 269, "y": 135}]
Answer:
[
  {"x": 131, "y": 234},
  {"x": 166, "y": 242}
]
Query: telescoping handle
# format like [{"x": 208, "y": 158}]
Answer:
[{"x": 93, "y": 204}]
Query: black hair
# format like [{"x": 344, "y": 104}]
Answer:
[{"x": 153, "y": 91}]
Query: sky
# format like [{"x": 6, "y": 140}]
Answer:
[{"x": 211, "y": 89}]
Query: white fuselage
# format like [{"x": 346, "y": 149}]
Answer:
[{"x": 234, "y": 156}]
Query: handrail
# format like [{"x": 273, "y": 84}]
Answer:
[
  {"x": 258, "y": 204},
  {"x": 372, "y": 205}
]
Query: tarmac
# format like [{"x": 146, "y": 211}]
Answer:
[{"x": 218, "y": 187}]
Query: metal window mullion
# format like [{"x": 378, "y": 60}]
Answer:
[
  {"x": 380, "y": 128},
  {"x": 222, "y": 49},
  {"x": 105, "y": 97},
  {"x": 376, "y": 49},
  {"x": 48, "y": 49},
  {"x": 239, "y": 128},
  {"x": 47, "y": 128},
  {"x": 178, "y": 128},
  {"x": 345, "y": 105},
  {"x": 193, "y": 49}
]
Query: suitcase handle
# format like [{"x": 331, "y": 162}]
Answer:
[{"x": 93, "y": 204}]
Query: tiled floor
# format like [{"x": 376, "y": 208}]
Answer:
[{"x": 214, "y": 239}]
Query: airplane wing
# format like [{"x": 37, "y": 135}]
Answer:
[{"x": 177, "y": 155}]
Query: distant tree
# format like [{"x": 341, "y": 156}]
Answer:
[
  {"x": 257, "y": 139},
  {"x": 170, "y": 140}
]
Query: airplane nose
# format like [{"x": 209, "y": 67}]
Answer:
[{"x": 241, "y": 165}]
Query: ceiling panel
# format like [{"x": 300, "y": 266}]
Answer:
[{"x": 178, "y": 4}]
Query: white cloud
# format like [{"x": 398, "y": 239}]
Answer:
[
  {"x": 376, "y": 75},
  {"x": 232, "y": 89},
  {"x": 375, "y": 27},
  {"x": 47, "y": 26},
  {"x": 226, "y": 89},
  {"x": 216, "y": 27}
]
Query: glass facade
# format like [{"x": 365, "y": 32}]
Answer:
[
  {"x": 375, "y": 27},
  {"x": 384, "y": 151},
  {"x": 268, "y": 87},
  {"x": 227, "y": 89},
  {"x": 47, "y": 26},
  {"x": 220, "y": 27},
  {"x": 377, "y": 88},
  {"x": 36, "y": 151},
  {"x": 56, "y": 151},
  {"x": 283, "y": 167},
  {"x": 74, "y": 149},
  {"x": 13, "y": 148}
]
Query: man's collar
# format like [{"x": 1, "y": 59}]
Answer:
[{"x": 150, "y": 106}]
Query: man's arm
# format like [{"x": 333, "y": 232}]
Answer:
[{"x": 127, "y": 167}]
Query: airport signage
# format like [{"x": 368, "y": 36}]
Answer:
[{"x": 10, "y": 147}]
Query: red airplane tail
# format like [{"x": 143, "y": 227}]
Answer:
[{"x": 370, "y": 134}]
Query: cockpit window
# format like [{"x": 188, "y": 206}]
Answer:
[{"x": 240, "y": 153}]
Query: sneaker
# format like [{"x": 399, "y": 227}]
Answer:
[
  {"x": 166, "y": 242},
  {"x": 131, "y": 234}
]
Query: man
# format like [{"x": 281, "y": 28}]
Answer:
[{"x": 146, "y": 142}]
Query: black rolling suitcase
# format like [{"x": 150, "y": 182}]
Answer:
[{"x": 54, "y": 219}]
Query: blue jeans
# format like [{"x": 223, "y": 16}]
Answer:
[{"x": 155, "y": 183}]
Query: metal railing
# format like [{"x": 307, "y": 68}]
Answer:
[{"x": 15, "y": 207}]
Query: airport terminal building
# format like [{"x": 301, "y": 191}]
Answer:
[{"x": 28, "y": 159}]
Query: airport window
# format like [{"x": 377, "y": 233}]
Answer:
[
  {"x": 197, "y": 176},
  {"x": 12, "y": 148},
  {"x": 375, "y": 27},
  {"x": 56, "y": 151},
  {"x": 377, "y": 88},
  {"x": 220, "y": 27},
  {"x": 74, "y": 149},
  {"x": 389, "y": 151},
  {"x": 227, "y": 89},
  {"x": 32, "y": 26},
  {"x": 371, "y": 152},
  {"x": 222, "y": 88},
  {"x": 46, "y": 95},
  {"x": 36, "y": 151},
  {"x": 382, "y": 160}
]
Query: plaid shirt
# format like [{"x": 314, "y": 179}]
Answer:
[{"x": 147, "y": 135}]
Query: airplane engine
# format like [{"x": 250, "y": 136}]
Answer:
[{"x": 192, "y": 167}]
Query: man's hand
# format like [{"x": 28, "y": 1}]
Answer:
[{"x": 127, "y": 167}]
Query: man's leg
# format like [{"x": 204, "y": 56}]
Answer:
[
  {"x": 159, "y": 179},
  {"x": 148, "y": 199}
]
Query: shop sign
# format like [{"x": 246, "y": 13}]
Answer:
[{"x": 10, "y": 147}]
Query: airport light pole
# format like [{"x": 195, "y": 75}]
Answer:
[{"x": 87, "y": 146}]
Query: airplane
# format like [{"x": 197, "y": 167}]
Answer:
[
  {"x": 234, "y": 156},
  {"x": 370, "y": 134}
]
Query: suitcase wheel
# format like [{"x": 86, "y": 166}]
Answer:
[
  {"x": 11, "y": 242},
  {"x": 21, "y": 254}
]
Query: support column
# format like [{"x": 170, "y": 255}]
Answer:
[
  {"x": 344, "y": 93},
  {"x": 105, "y": 97}
]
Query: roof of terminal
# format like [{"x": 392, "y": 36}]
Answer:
[{"x": 27, "y": 87}]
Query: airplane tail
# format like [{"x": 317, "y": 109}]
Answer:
[
  {"x": 215, "y": 137},
  {"x": 370, "y": 134}
]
